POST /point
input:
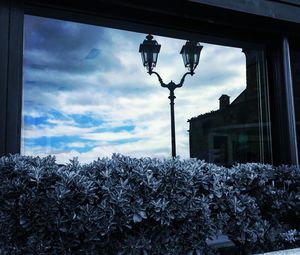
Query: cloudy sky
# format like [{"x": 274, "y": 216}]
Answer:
[{"x": 86, "y": 93}]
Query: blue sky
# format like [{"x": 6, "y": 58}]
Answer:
[{"x": 86, "y": 93}]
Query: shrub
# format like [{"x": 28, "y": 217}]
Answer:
[{"x": 124, "y": 205}]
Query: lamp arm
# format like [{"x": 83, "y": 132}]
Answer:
[
  {"x": 160, "y": 79},
  {"x": 182, "y": 79}
]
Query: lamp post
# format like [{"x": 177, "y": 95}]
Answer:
[{"x": 190, "y": 52}]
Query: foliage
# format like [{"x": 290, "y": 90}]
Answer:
[{"x": 124, "y": 205}]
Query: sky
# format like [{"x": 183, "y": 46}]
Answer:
[{"x": 86, "y": 93}]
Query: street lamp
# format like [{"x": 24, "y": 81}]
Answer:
[{"x": 190, "y": 52}]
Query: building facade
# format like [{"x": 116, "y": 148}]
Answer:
[{"x": 237, "y": 131}]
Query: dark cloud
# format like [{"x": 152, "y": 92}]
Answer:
[
  {"x": 39, "y": 67},
  {"x": 67, "y": 46},
  {"x": 67, "y": 63},
  {"x": 93, "y": 54},
  {"x": 39, "y": 87},
  {"x": 48, "y": 34},
  {"x": 29, "y": 82}
]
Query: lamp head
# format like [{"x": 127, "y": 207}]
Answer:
[
  {"x": 191, "y": 54},
  {"x": 149, "y": 50}
]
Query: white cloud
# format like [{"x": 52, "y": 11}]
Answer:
[
  {"x": 77, "y": 145},
  {"x": 58, "y": 130}
]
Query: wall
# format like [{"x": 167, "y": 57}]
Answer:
[{"x": 288, "y": 10}]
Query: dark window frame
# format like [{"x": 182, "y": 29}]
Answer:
[{"x": 183, "y": 19}]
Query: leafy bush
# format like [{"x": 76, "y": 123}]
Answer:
[{"x": 144, "y": 206}]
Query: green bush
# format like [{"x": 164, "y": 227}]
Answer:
[{"x": 144, "y": 206}]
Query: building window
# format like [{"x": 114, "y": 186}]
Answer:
[{"x": 86, "y": 94}]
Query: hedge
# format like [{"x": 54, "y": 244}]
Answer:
[{"x": 123, "y": 205}]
